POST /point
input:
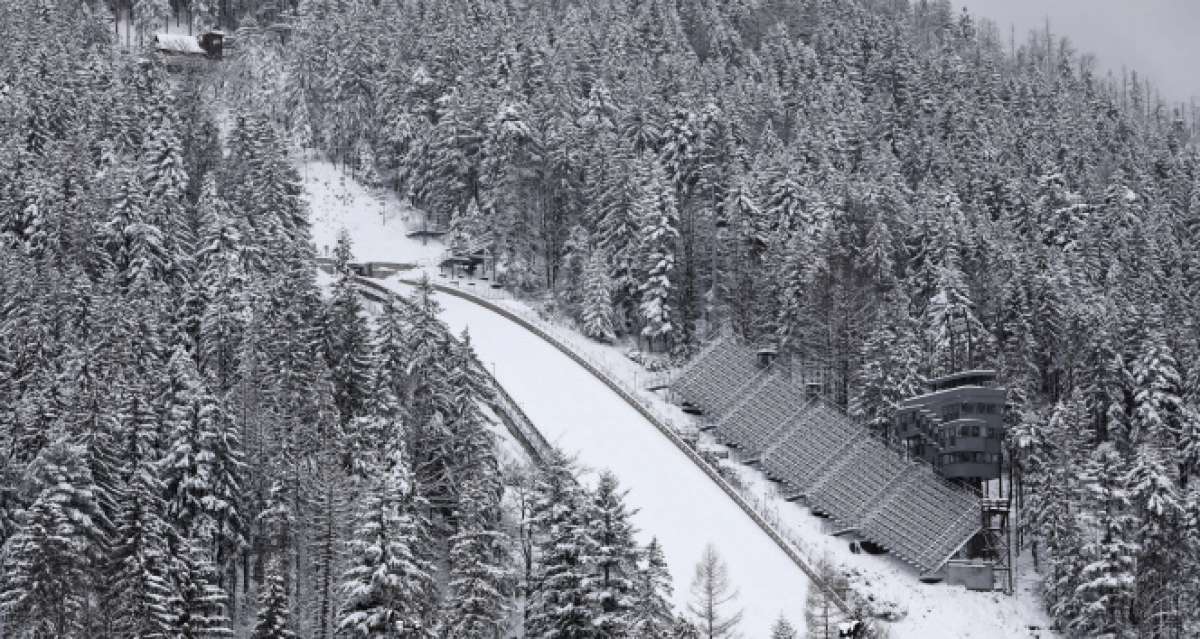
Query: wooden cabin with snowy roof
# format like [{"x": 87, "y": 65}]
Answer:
[{"x": 179, "y": 49}]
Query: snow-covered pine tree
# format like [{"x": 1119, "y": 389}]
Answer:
[
  {"x": 658, "y": 219},
  {"x": 439, "y": 162},
  {"x": 391, "y": 355},
  {"x": 561, "y": 604},
  {"x": 162, "y": 169},
  {"x": 348, "y": 338},
  {"x": 471, "y": 454},
  {"x": 223, "y": 283},
  {"x": 47, "y": 565},
  {"x": 388, "y": 588},
  {"x": 597, "y": 305},
  {"x": 570, "y": 280},
  {"x": 90, "y": 413},
  {"x": 508, "y": 156},
  {"x": 477, "y": 601},
  {"x": 891, "y": 361},
  {"x": 365, "y": 164},
  {"x": 1052, "y": 509},
  {"x": 616, "y": 233},
  {"x": 262, "y": 184},
  {"x": 749, "y": 234},
  {"x": 652, "y": 614},
  {"x": 616, "y": 557},
  {"x": 956, "y": 337},
  {"x": 1106, "y": 586},
  {"x": 1158, "y": 537},
  {"x": 135, "y": 244},
  {"x": 1158, "y": 407},
  {"x": 783, "y": 629},
  {"x": 1158, "y": 419},
  {"x": 200, "y": 604},
  {"x": 429, "y": 398},
  {"x": 678, "y": 153},
  {"x": 274, "y": 536},
  {"x": 141, "y": 590},
  {"x": 272, "y": 620},
  {"x": 328, "y": 487},
  {"x": 1105, "y": 378},
  {"x": 203, "y": 464}
]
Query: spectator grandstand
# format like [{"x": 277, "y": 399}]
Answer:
[
  {"x": 819, "y": 454},
  {"x": 756, "y": 421},
  {"x": 714, "y": 381},
  {"x": 818, "y": 435}
]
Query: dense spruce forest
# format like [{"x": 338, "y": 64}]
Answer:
[
  {"x": 196, "y": 440},
  {"x": 886, "y": 189}
]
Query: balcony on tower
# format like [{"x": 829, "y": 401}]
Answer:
[{"x": 958, "y": 426}]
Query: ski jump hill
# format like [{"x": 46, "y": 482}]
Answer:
[
  {"x": 678, "y": 500},
  {"x": 566, "y": 402}
]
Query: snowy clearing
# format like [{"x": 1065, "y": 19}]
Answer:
[{"x": 375, "y": 221}]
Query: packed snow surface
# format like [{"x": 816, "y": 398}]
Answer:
[
  {"x": 676, "y": 501},
  {"x": 376, "y": 221}
]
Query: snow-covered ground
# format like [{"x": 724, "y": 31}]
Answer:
[
  {"x": 376, "y": 222},
  {"x": 679, "y": 503}
]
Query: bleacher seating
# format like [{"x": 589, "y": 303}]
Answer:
[
  {"x": 862, "y": 476},
  {"x": 714, "y": 381},
  {"x": 756, "y": 422},
  {"x": 925, "y": 523},
  {"x": 837, "y": 465},
  {"x": 812, "y": 442}
]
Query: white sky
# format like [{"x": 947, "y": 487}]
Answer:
[{"x": 1158, "y": 38}]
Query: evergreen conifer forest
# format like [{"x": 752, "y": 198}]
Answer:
[{"x": 201, "y": 437}]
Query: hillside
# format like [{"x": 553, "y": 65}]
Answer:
[{"x": 196, "y": 433}]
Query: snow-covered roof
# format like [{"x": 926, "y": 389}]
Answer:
[
  {"x": 953, "y": 377},
  {"x": 177, "y": 43}
]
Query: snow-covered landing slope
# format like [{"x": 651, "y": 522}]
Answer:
[{"x": 677, "y": 502}]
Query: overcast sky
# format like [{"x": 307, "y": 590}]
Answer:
[{"x": 1158, "y": 38}]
